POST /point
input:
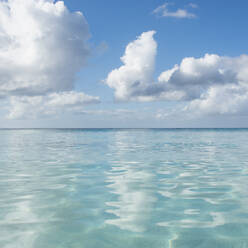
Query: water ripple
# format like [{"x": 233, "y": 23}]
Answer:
[{"x": 123, "y": 188}]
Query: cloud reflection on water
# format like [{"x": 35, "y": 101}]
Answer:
[{"x": 131, "y": 182}]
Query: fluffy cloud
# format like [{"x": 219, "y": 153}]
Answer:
[
  {"x": 194, "y": 76},
  {"x": 137, "y": 71},
  {"x": 212, "y": 84},
  {"x": 179, "y": 13},
  {"x": 42, "y": 47},
  {"x": 50, "y": 105},
  {"x": 228, "y": 99}
]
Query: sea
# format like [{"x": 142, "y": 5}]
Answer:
[{"x": 124, "y": 188}]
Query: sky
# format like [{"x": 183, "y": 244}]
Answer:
[{"x": 123, "y": 64}]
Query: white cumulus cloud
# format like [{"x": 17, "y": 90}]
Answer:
[
  {"x": 42, "y": 47},
  {"x": 229, "y": 99},
  {"x": 137, "y": 70},
  {"x": 211, "y": 84}
]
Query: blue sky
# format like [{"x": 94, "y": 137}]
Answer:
[
  {"x": 214, "y": 27},
  {"x": 218, "y": 28}
]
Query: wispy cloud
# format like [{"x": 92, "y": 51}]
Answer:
[
  {"x": 164, "y": 11},
  {"x": 50, "y": 105},
  {"x": 193, "y": 5}
]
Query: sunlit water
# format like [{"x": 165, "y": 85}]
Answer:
[{"x": 123, "y": 188}]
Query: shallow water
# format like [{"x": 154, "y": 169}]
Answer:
[{"x": 124, "y": 188}]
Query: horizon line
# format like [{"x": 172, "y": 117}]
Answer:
[{"x": 82, "y": 128}]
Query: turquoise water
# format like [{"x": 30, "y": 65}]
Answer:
[{"x": 124, "y": 188}]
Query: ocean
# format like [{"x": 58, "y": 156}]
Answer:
[{"x": 124, "y": 188}]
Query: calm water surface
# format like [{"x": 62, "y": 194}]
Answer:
[{"x": 124, "y": 188}]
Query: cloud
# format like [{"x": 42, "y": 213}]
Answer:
[
  {"x": 211, "y": 84},
  {"x": 50, "y": 105},
  {"x": 179, "y": 13},
  {"x": 194, "y": 76},
  {"x": 138, "y": 68},
  {"x": 220, "y": 100},
  {"x": 193, "y": 5},
  {"x": 113, "y": 114},
  {"x": 42, "y": 47}
]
